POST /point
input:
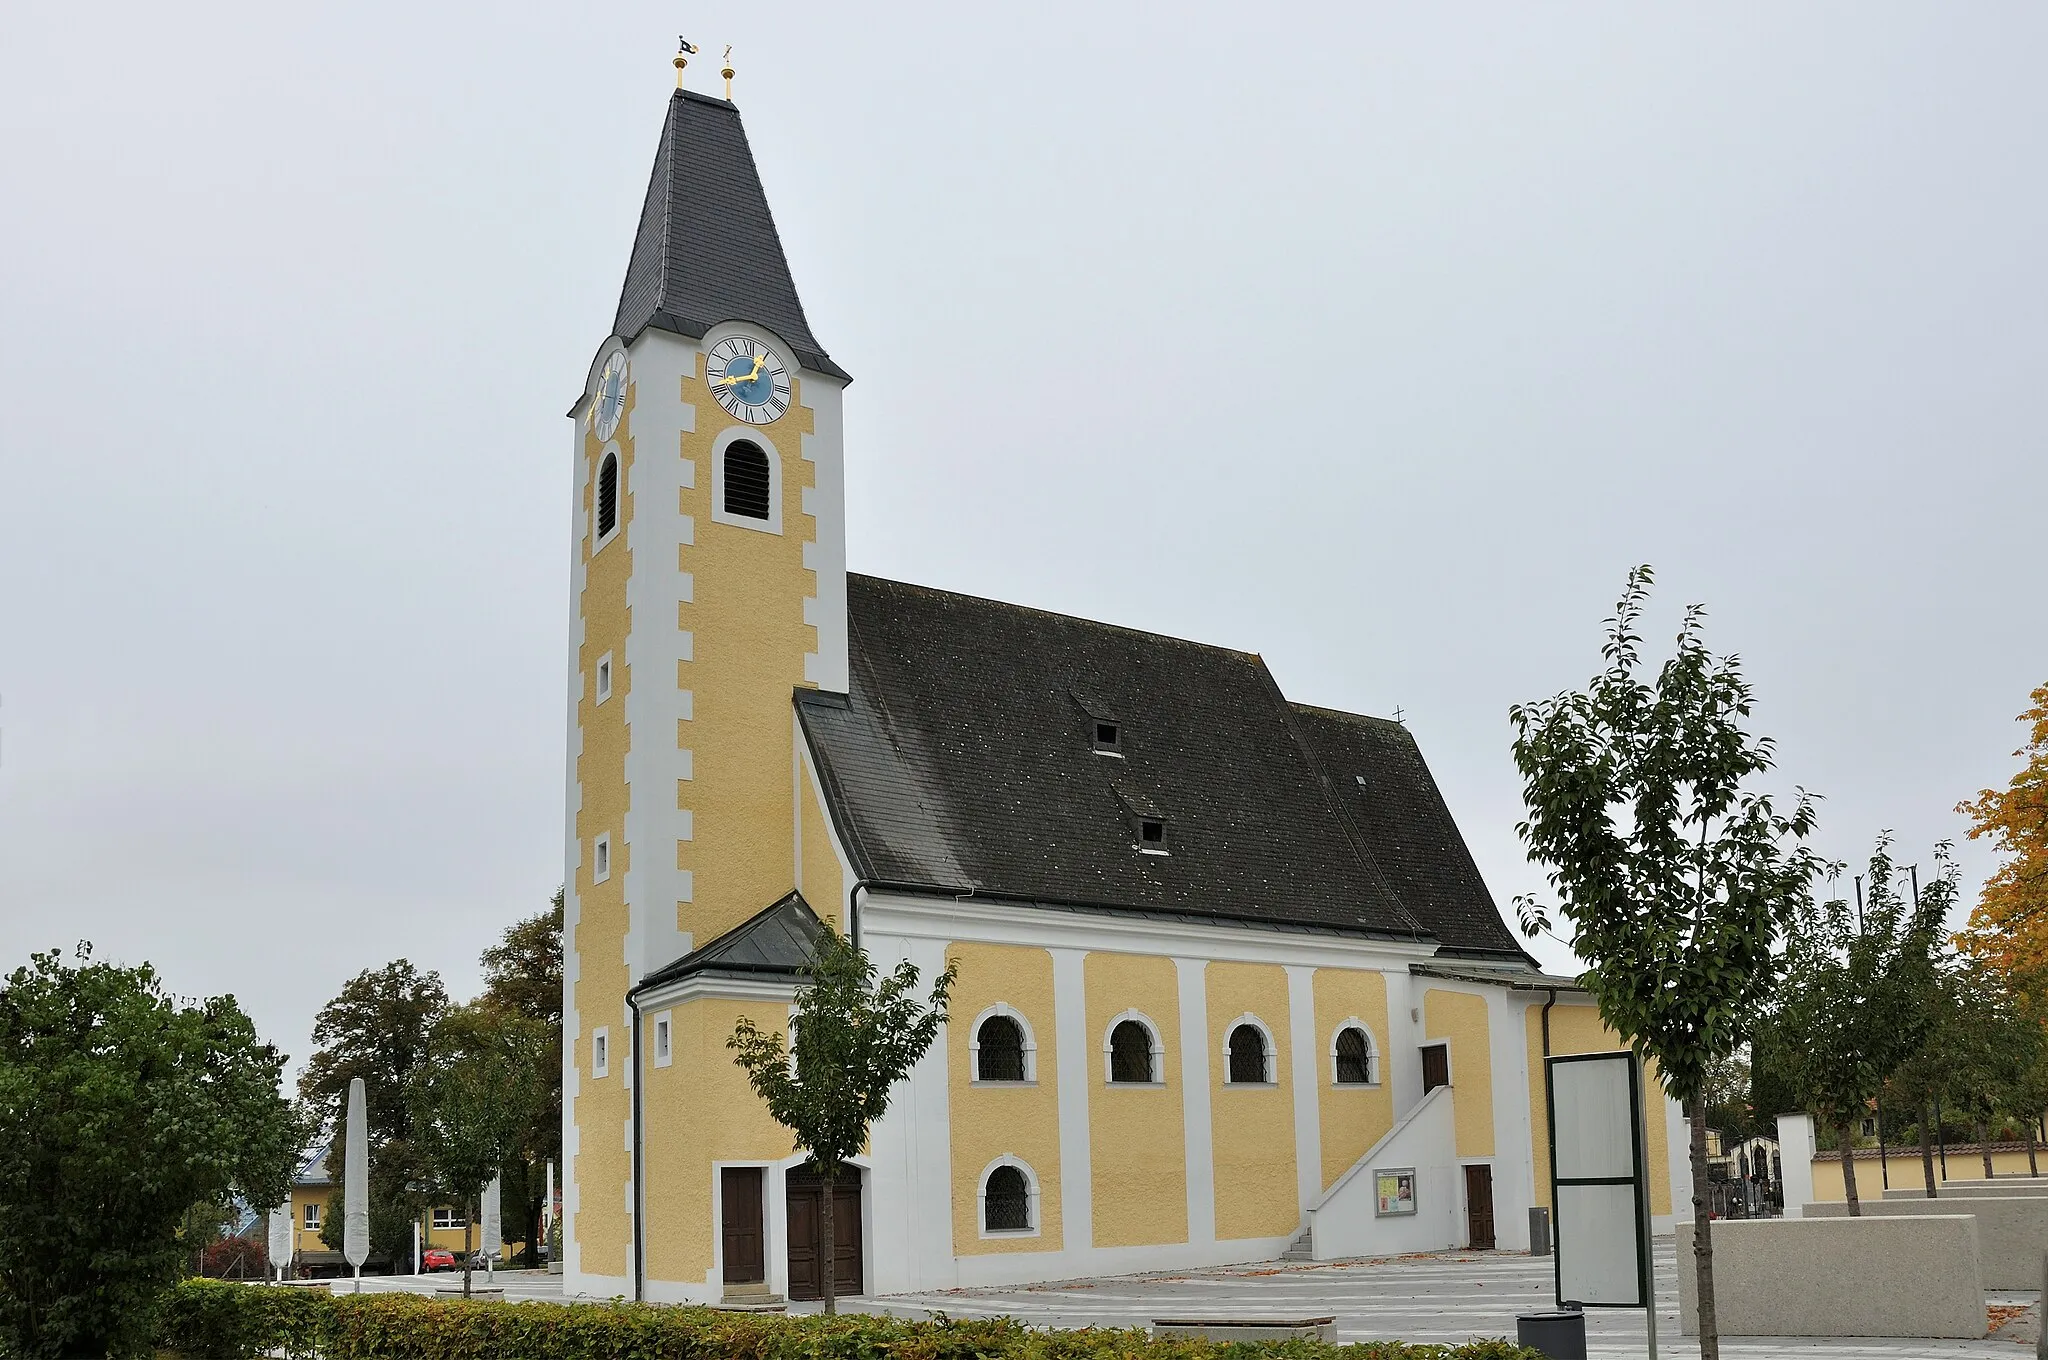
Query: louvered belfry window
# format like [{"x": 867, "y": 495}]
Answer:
[
  {"x": 1130, "y": 1053},
  {"x": 1247, "y": 1055},
  {"x": 1006, "y": 1207},
  {"x": 999, "y": 1050},
  {"x": 746, "y": 481},
  {"x": 608, "y": 495},
  {"x": 1354, "y": 1058}
]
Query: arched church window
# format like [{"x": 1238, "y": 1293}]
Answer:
[
  {"x": 1247, "y": 1055},
  {"x": 1130, "y": 1053},
  {"x": 1354, "y": 1057},
  {"x": 1000, "y": 1050},
  {"x": 746, "y": 481},
  {"x": 1006, "y": 1203},
  {"x": 608, "y": 495}
]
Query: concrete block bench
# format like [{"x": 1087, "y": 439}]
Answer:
[
  {"x": 1247, "y": 1329},
  {"x": 2001, "y": 1189},
  {"x": 1917, "y": 1276},
  {"x": 2012, "y": 1231}
]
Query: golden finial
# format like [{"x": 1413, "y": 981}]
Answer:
[
  {"x": 684, "y": 51},
  {"x": 726, "y": 71}
]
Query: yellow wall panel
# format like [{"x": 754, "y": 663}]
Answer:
[
  {"x": 601, "y": 1228},
  {"x": 1353, "y": 1117},
  {"x": 1003, "y": 1120},
  {"x": 1460, "y": 1019},
  {"x": 824, "y": 877},
  {"x": 1139, "y": 1156},
  {"x": 699, "y": 1110},
  {"x": 1252, "y": 1127},
  {"x": 746, "y": 617},
  {"x": 1579, "y": 1029}
]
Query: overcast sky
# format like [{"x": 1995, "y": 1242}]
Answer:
[{"x": 1379, "y": 340}]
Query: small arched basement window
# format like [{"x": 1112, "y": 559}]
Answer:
[
  {"x": 999, "y": 1053},
  {"x": 1130, "y": 1053},
  {"x": 746, "y": 481},
  {"x": 1006, "y": 1203},
  {"x": 1247, "y": 1056},
  {"x": 608, "y": 495},
  {"x": 1354, "y": 1057}
]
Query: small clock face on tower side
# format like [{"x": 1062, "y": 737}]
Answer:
[
  {"x": 611, "y": 396},
  {"x": 748, "y": 379}
]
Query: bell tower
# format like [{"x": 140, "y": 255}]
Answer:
[{"x": 709, "y": 570}]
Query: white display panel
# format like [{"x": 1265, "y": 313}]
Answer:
[
  {"x": 1596, "y": 1246},
  {"x": 1599, "y": 1189},
  {"x": 1595, "y": 1128}
]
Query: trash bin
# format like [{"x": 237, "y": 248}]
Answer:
[
  {"x": 1560, "y": 1335},
  {"x": 1539, "y": 1231}
]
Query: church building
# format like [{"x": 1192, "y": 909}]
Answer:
[{"x": 1230, "y": 985}]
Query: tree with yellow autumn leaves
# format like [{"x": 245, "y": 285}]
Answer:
[{"x": 2009, "y": 928}]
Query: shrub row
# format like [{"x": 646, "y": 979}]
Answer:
[{"x": 215, "y": 1320}]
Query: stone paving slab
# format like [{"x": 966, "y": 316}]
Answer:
[{"x": 1449, "y": 1297}]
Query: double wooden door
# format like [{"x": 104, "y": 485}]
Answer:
[{"x": 806, "y": 1192}]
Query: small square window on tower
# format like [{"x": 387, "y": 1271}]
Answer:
[
  {"x": 601, "y": 859},
  {"x": 600, "y": 1053},
  {"x": 1109, "y": 739},
  {"x": 604, "y": 677},
  {"x": 664, "y": 1048},
  {"x": 1152, "y": 835}
]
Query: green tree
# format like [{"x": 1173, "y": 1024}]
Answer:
[
  {"x": 121, "y": 1108},
  {"x": 523, "y": 976},
  {"x": 1677, "y": 877},
  {"x": 2025, "y": 1098},
  {"x": 856, "y": 1033},
  {"x": 1859, "y": 997},
  {"x": 376, "y": 1028},
  {"x": 474, "y": 1099}
]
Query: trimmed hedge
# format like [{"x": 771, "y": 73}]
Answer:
[{"x": 215, "y": 1320}]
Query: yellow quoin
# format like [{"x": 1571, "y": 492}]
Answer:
[{"x": 1207, "y": 937}]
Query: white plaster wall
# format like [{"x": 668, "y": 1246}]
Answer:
[
  {"x": 655, "y": 703},
  {"x": 909, "y": 1193},
  {"x": 1795, "y": 1152},
  {"x": 1514, "y": 1174},
  {"x": 825, "y": 501},
  {"x": 1346, "y": 1221},
  {"x": 1678, "y": 1164}
]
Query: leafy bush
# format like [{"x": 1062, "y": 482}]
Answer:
[
  {"x": 219, "y": 1320},
  {"x": 212, "y": 1320},
  {"x": 241, "y": 1258}
]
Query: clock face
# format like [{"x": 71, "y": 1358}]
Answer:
[
  {"x": 748, "y": 380},
  {"x": 611, "y": 396}
]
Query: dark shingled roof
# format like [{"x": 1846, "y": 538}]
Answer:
[
  {"x": 707, "y": 250},
  {"x": 963, "y": 762},
  {"x": 1380, "y": 780},
  {"x": 776, "y": 941}
]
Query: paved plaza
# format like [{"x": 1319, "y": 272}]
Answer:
[{"x": 1448, "y": 1297}]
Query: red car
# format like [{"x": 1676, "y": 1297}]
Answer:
[{"x": 435, "y": 1258}]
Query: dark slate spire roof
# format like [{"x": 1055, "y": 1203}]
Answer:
[
  {"x": 707, "y": 250},
  {"x": 963, "y": 762}
]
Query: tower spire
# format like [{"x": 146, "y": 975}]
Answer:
[
  {"x": 726, "y": 71},
  {"x": 685, "y": 49}
]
